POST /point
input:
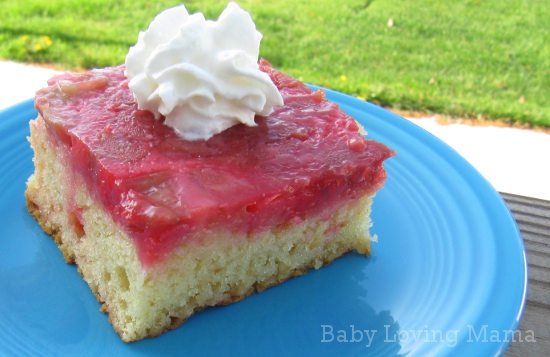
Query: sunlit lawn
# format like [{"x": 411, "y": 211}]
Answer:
[{"x": 474, "y": 58}]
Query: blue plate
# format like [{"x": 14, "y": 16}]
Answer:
[{"x": 447, "y": 277}]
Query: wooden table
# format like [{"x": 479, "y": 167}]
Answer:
[{"x": 533, "y": 218}]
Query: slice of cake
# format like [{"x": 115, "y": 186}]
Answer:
[
  {"x": 180, "y": 180},
  {"x": 161, "y": 227}
]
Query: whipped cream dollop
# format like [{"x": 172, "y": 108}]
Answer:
[{"x": 202, "y": 76}]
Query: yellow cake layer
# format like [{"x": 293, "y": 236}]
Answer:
[{"x": 221, "y": 268}]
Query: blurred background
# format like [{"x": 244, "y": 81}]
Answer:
[{"x": 471, "y": 59}]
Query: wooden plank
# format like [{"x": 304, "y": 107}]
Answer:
[
  {"x": 534, "y": 319},
  {"x": 533, "y": 218},
  {"x": 526, "y": 201}
]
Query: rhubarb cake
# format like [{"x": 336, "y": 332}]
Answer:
[{"x": 162, "y": 227}]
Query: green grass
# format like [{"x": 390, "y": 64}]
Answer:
[{"x": 469, "y": 58}]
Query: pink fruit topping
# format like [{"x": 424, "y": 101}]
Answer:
[{"x": 304, "y": 159}]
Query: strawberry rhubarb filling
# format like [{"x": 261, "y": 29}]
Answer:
[{"x": 306, "y": 159}]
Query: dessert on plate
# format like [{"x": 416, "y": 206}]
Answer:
[{"x": 182, "y": 180}]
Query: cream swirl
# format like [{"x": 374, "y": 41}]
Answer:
[{"x": 202, "y": 76}]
